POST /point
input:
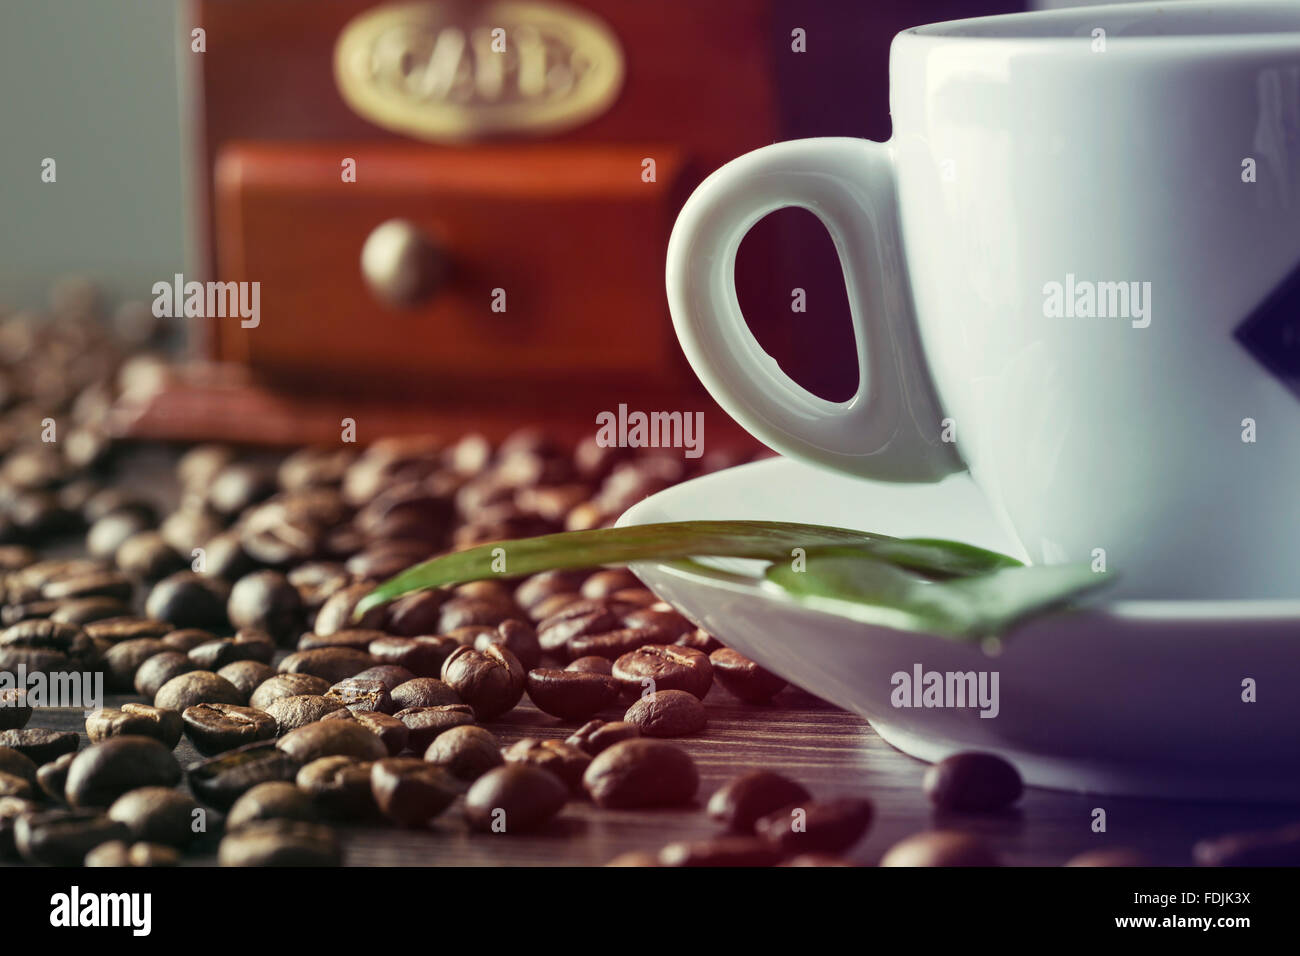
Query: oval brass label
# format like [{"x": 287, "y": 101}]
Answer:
[{"x": 453, "y": 71}]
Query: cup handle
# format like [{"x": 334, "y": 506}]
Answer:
[{"x": 890, "y": 429}]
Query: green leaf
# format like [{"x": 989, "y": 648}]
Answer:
[
  {"x": 848, "y": 583},
  {"x": 766, "y": 540}
]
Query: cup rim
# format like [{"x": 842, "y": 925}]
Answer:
[{"x": 1010, "y": 28}]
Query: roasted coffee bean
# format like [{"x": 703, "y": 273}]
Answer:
[
  {"x": 668, "y": 713},
  {"x": 564, "y": 760},
  {"x": 720, "y": 851},
  {"x": 188, "y": 599},
  {"x": 426, "y": 723},
  {"x": 315, "y": 468},
  {"x": 247, "y": 676},
  {"x": 576, "y": 620},
  {"x": 1111, "y": 856},
  {"x": 39, "y": 746},
  {"x": 424, "y": 692},
  {"x": 603, "y": 584},
  {"x": 596, "y": 735},
  {"x": 514, "y": 798},
  {"x": 214, "y": 655},
  {"x": 639, "y": 597},
  {"x": 416, "y": 614},
  {"x": 664, "y": 667},
  {"x": 569, "y": 694},
  {"x": 332, "y": 738},
  {"x": 135, "y": 720},
  {"x": 552, "y": 605},
  {"x": 515, "y": 636},
  {"x": 117, "y": 853},
  {"x": 973, "y": 782},
  {"x": 52, "y": 777},
  {"x": 123, "y": 660},
  {"x": 239, "y": 486},
  {"x": 548, "y": 584},
  {"x": 642, "y": 773},
  {"x": 63, "y": 837},
  {"x": 423, "y": 656},
  {"x": 741, "y": 801},
  {"x": 490, "y": 681},
  {"x": 386, "y": 559},
  {"x": 12, "y": 785},
  {"x": 316, "y": 582},
  {"x": 290, "y": 529},
  {"x": 662, "y": 618},
  {"x": 940, "y": 848},
  {"x": 218, "y": 781},
  {"x": 115, "y": 630},
  {"x": 290, "y": 713},
  {"x": 357, "y": 640},
  {"x": 273, "y": 800},
  {"x": 158, "y": 669},
  {"x": 1280, "y": 847},
  {"x": 214, "y": 728},
  {"x": 591, "y": 665},
  {"x": 392, "y": 733},
  {"x": 266, "y": 600},
  {"x": 186, "y": 639},
  {"x": 158, "y": 815},
  {"x": 110, "y": 584},
  {"x": 356, "y": 694},
  {"x": 65, "y": 645},
  {"x": 11, "y": 614},
  {"x": 390, "y": 675},
  {"x": 225, "y": 557},
  {"x": 744, "y": 679},
  {"x": 11, "y": 808},
  {"x": 461, "y": 611},
  {"x": 85, "y": 611},
  {"x": 147, "y": 556},
  {"x": 613, "y": 644},
  {"x": 702, "y": 640},
  {"x": 280, "y": 843},
  {"x": 104, "y": 771},
  {"x": 336, "y": 613},
  {"x": 196, "y": 687},
  {"x": 411, "y": 792},
  {"x": 200, "y": 464},
  {"x": 467, "y": 752},
  {"x": 286, "y": 685},
  {"x": 816, "y": 826},
  {"x": 330, "y": 664},
  {"x": 107, "y": 534},
  {"x": 339, "y": 787},
  {"x": 15, "y": 711}
]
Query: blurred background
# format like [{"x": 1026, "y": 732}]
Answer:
[{"x": 225, "y": 163}]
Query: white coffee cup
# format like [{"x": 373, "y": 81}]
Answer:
[{"x": 1146, "y": 154}]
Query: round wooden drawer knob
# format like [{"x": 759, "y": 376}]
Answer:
[{"x": 401, "y": 264}]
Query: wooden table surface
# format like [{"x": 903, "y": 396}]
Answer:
[{"x": 829, "y": 750}]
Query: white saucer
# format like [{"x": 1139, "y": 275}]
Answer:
[{"x": 1138, "y": 698}]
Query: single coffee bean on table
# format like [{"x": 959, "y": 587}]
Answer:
[
  {"x": 356, "y": 694},
  {"x": 214, "y": 728},
  {"x": 490, "y": 681},
  {"x": 148, "y": 557},
  {"x": 424, "y": 692},
  {"x": 330, "y": 739},
  {"x": 330, "y": 664},
  {"x": 122, "y": 661},
  {"x": 188, "y": 599},
  {"x": 571, "y": 694},
  {"x": 973, "y": 782},
  {"x": 390, "y": 675},
  {"x": 642, "y": 772},
  {"x": 247, "y": 676},
  {"x": 720, "y": 851},
  {"x": 159, "y": 815},
  {"x": 273, "y": 800},
  {"x": 286, "y": 685},
  {"x": 280, "y": 843},
  {"x": 104, "y": 771},
  {"x": 392, "y": 733},
  {"x": 266, "y": 600},
  {"x": 424, "y": 724},
  {"x": 116, "y": 853},
  {"x": 410, "y": 791},
  {"x": 816, "y": 826},
  {"x": 339, "y": 787},
  {"x": 196, "y": 687},
  {"x": 516, "y": 636},
  {"x": 139, "y": 720},
  {"x": 741, "y": 801},
  {"x": 668, "y": 713},
  {"x": 115, "y": 630},
  {"x": 664, "y": 667},
  {"x": 159, "y": 669},
  {"x": 416, "y": 614},
  {"x": 744, "y": 679},
  {"x": 218, "y": 781},
  {"x": 467, "y": 752},
  {"x": 336, "y": 613},
  {"x": 596, "y": 735},
  {"x": 40, "y": 746},
  {"x": 514, "y": 798},
  {"x": 591, "y": 665},
  {"x": 564, "y": 760},
  {"x": 290, "y": 713},
  {"x": 64, "y": 837},
  {"x": 940, "y": 848}
]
